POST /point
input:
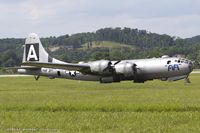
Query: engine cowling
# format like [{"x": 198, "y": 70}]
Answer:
[
  {"x": 101, "y": 67},
  {"x": 127, "y": 69}
]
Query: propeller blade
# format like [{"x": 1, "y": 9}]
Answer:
[{"x": 117, "y": 62}]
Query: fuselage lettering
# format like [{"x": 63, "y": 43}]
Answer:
[{"x": 173, "y": 67}]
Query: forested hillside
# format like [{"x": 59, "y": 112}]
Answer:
[{"x": 107, "y": 43}]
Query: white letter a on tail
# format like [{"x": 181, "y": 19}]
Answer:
[{"x": 32, "y": 54}]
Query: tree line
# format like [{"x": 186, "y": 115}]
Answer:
[{"x": 146, "y": 45}]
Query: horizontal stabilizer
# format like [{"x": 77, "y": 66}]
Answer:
[
  {"x": 24, "y": 67},
  {"x": 67, "y": 66}
]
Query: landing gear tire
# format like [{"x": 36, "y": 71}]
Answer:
[
  {"x": 187, "y": 80},
  {"x": 36, "y": 77}
]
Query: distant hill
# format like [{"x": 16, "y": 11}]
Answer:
[
  {"x": 193, "y": 40},
  {"x": 107, "y": 43}
]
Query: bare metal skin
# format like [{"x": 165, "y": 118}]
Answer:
[{"x": 36, "y": 61}]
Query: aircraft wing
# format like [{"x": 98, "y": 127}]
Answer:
[{"x": 68, "y": 66}]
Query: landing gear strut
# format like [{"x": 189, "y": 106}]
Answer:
[
  {"x": 187, "y": 80},
  {"x": 36, "y": 77}
]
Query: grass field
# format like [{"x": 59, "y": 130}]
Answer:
[{"x": 59, "y": 106}]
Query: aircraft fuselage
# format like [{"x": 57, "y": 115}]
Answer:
[{"x": 147, "y": 69}]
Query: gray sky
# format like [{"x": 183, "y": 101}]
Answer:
[{"x": 58, "y": 17}]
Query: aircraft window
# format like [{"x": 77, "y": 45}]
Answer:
[
  {"x": 175, "y": 61},
  {"x": 179, "y": 61},
  {"x": 182, "y": 61},
  {"x": 168, "y": 62}
]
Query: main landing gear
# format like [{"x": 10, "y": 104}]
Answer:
[{"x": 36, "y": 77}]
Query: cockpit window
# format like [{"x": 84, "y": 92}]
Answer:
[{"x": 168, "y": 62}]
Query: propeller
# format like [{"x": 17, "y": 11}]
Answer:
[{"x": 111, "y": 66}]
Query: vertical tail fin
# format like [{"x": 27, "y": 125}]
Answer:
[{"x": 34, "y": 51}]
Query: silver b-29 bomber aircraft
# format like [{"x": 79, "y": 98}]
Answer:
[{"x": 37, "y": 62}]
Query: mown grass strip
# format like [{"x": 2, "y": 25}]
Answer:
[{"x": 103, "y": 108}]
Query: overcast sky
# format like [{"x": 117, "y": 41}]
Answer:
[{"x": 58, "y": 17}]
